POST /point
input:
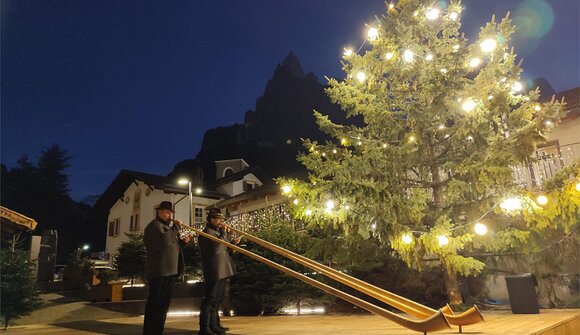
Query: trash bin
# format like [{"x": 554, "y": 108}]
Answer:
[{"x": 522, "y": 293}]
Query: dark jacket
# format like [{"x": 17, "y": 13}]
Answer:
[
  {"x": 216, "y": 261},
  {"x": 164, "y": 255}
]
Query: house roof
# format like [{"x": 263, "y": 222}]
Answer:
[
  {"x": 269, "y": 188},
  {"x": 255, "y": 170},
  {"x": 125, "y": 178},
  {"x": 22, "y": 222}
]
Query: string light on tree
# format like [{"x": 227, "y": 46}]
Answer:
[
  {"x": 408, "y": 56},
  {"x": 453, "y": 16},
  {"x": 511, "y": 204},
  {"x": 474, "y": 62},
  {"x": 542, "y": 200},
  {"x": 432, "y": 14},
  {"x": 407, "y": 239},
  {"x": 468, "y": 105},
  {"x": 537, "y": 108},
  {"x": 517, "y": 86},
  {"x": 286, "y": 189},
  {"x": 295, "y": 202},
  {"x": 308, "y": 212},
  {"x": 389, "y": 55},
  {"x": 443, "y": 240},
  {"x": 373, "y": 34},
  {"x": 361, "y": 76},
  {"x": 480, "y": 229},
  {"x": 488, "y": 45},
  {"x": 429, "y": 57},
  {"x": 578, "y": 187},
  {"x": 347, "y": 52}
]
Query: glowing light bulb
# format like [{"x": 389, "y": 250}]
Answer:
[
  {"x": 453, "y": 16},
  {"x": 373, "y": 34},
  {"x": 347, "y": 52},
  {"x": 542, "y": 200},
  {"x": 511, "y": 204},
  {"x": 549, "y": 123},
  {"x": 408, "y": 56},
  {"x": 429, "y": 57},
  {"x": 333, "y": 151},
  {"x": 474, "y": 62},
  {"x": 480, "y": 229},
  {"x": 443, "y": 240},
  {"x": 373, "y": 226},
  {"x": 295, "y": 202},
  {"x": 407, "y": 239},
  {"x": 468, "y": 105},
  {"x": 537, "y": 108},
  {"x": 384, "y": 145},
  {"x": 389, "y": 55},
  {"x": 343, "y": 141},
  {"x": 308, "y": 212},
  {"x": 324, "y": 154},
  {"x": 456, "y": 47},
  {"x": 347, "y": 207},
  {"x": 411, "y": 138},
  {"x": 489, "y": 97},
  {"x": 361, "y": 76},
  {"x": 469, "y": 138},
  {"x": 432, "y": 14},
  {"x": 359, "y": 143},
  {"x": 441, "y": 127},
  {"x": 578, "y": 187},
  {"x": 391, "y": 6},
  {"x": 488, "y": 45},
  {"x": 286, "y": 189},
  {"x": 198, "y": 190},
  {"x": 444, "y": 70},
  {"x": 330, "y": 205},
  {"x": 517, "y": 86}
]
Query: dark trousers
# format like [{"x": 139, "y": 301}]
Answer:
[
  {"x": 214, "y": 293},
  {"x": 157, "y": 305}
]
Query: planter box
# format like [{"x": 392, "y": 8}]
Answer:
[{"x": 110, "y": 293}]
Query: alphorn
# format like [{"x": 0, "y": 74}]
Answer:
[
  {"x": 435, "y": 322},
  {"x": 470, "y": 316}
]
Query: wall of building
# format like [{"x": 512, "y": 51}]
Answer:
[
  {"x": 149, "y": 199},
  {"x": 567, "y": 132}
]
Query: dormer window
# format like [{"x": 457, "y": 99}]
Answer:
[{"x": 228, "y": 171}]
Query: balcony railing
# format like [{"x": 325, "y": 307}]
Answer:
[{"x": 548, "y": 162}]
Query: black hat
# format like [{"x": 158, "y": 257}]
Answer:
[
  {"x": 165, "y": 205},
  {"x": 215, "y": 213}
]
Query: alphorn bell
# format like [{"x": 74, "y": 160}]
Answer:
[
  {"x": 471, "y": 316},
  {"x": 435, "y": 322}
]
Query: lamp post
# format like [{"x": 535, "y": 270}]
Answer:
[{"x": 184, "y": 181}]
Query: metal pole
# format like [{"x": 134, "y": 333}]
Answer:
[{"x": 190, "y": 205}]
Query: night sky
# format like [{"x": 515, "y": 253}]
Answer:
[{"x": 135, "y": 84}]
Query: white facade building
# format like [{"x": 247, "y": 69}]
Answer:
[{"x": 132, "y": 196}]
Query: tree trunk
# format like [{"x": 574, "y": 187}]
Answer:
[
  {"x": 298, "y": 307},
  {"x": 452, "y": 288}
]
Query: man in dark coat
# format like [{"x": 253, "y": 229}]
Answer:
[
  {"x": 164, "y": 263},
  {"x": 217, "y": 268}
]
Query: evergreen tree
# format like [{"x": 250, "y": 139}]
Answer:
[
  {"x": 18, "y": 295},
  {"x": 444, "y": 120},
  {"x": 130, "y": 261}
]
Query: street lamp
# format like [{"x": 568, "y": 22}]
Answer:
[{"x": 184, "y": 181}]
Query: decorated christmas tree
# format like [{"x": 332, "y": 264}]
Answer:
[{"x": 436, "y": 125}]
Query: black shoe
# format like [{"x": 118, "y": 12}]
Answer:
[
  {"x": 225, "y": 329},
  {"x": 206, "y": 331},
  {"x": 217, "y": 330}
]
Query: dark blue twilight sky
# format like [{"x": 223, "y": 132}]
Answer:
[{"x": 135, "y": 84}]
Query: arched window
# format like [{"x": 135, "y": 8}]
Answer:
[{"x": 228, "y": 171}]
